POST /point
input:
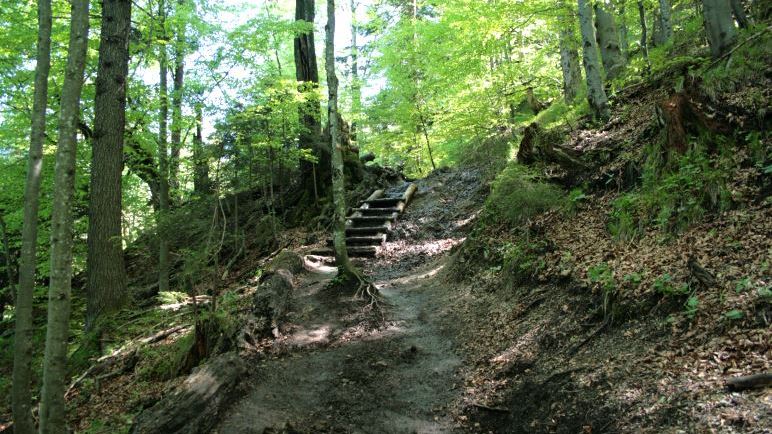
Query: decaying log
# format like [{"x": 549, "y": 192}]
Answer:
[
  {"x": 682, "y": 115},
  {"x": 194, "y": 405},
  {"x": 756, "y": 381}
]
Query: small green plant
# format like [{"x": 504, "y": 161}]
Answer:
[
  {"x": 665, "y": 286},
  {"x": 691, "y": 306},
  {"x": 522, "y": 260},
  {"x": 575, "y": 199},
  {"x": 633, "y": 279},
  {"x": 743, "y": 285},
  {"x": 734, "y": 314},
  {"x": 603, "y": 276}
]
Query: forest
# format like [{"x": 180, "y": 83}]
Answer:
[{"x": 385, "y": 216}]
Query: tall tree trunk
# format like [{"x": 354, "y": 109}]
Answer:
[
  {"x": 739, "y": 14},
  {"x": 644, "y": 35},
  {"x": 177, "y": 92},
  {"x": 307, "y": 73},
  {"x": 201, "y": 183},
  {"x": 356, "y": 86},
  {"x": 623, "y": 32},
  {"x": 6, "y": 297},
  {"x": 338, "y": 181},
  {"x": 596, "y": 95},
  {"x": 608, "y": 41},
  {"x": 719, "y": 26},
  {"x": 107, "y": 286},
  {"x": 569, "y": 62},
  {"x": 22, "y": 345},
  {"x": 665, "y": 27},
  {"x": 163, "y": 158},
  {"x": 52, "y": 405}
]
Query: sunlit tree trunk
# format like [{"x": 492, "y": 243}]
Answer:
[
  {"x": 106, "y": 284},
  {"x": 163, "y": 158},
  {"x": 608, "y": 42},
  {"x": 356, "y": 86},
  {"x": 596, "y": 95},
  {"x": 338, "y": 181},
  {"x": 569, "y": 62},
  {"x": 201, "y": 183},
  {"x": 719, "y": 26},
  {"x": 52, "y": 405},
  {"x": 22, "y": 350},
  {"x": 623, "y": 32}
]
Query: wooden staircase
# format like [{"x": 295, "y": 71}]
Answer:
[{"x": 369, "y": 225}]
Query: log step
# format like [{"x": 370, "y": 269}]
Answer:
[
  {"x": 385, "y": 202},
  {"x": 369, "y": 230},
  {"x": 374, "y": 240},
  {"x": 370, "y": 220},
  {"x": 355, "y": 252},
  {"x": 378, "y": 211}
]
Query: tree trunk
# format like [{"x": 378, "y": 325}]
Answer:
[
  {"x": 6, "y": 297},
  {"x": 569, "y": 63},
  {"x": 719, "y": 26},
  {"x": 163, "y": 159},
  {"x": 179, "y": 81},
  {"x": 739, "y": 14},
  {"x": 595, "y": 92},
  {"x": 623, "y": 32},
  {"x": 107, "y": 286},
  {"x": 52, "y": 405},
  {"x": 608, "y": 41},
  {"x": 356, "y": 86},
  {"x": 665, "y": 30},
  {"x": 201, "y": 183},
  {"x": 307, "y": 73},
  {"x": 22, "y": 350},
  {"x": 338, "y": 181},
  {"x": 644, "y": 36}
]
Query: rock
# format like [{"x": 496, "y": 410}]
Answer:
[
  {"x": 194, "y": 405},
  {"x": 272, "y": 299},
  {"x": 286, "y": 260}
]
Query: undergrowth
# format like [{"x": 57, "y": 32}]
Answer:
[{"x": 518, "y": 194}]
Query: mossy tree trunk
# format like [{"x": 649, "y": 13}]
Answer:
[
  {"x": 608, "y": 42},
  {"x": 569, "y": 62},
  {"x": 52, "y": 405},
  {"x": 719, "y": 26}
]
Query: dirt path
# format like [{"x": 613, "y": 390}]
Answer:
[{"x": 337, "y": 373}]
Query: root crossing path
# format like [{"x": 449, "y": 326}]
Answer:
[{"x": 339, "y": 369}]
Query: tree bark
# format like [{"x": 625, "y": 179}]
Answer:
[
  {"x": 569, "y": 63},
  {"x": 644, "y": 36},
  {"x": 356, "y": 86},
  {"x": 623, "y": 31},
  {"x": 22, "y": 350},
  {"x": 163, "y": 158},
  {"x": 595, "y": 92},
  {"x": 608, "y": 42},
  {"x": 106, "y": 271},
  {"x": 665, "y": 31},
  {"x": 338, "y": 181},
  {"x": 719, "y": 26},
  {"x": 307, "y": 74},
  {"x": 52, "y": 406},
  {"x": 201, "y": 184},
  {"x": 6, "y": 297},
  {"x": 177, "y": 92}
]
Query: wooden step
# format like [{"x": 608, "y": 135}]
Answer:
[
  {"x": 377, "y": 211},
  {"x": 369, "y": 230},
  {"x": 373, "y": 240},
  {"x": 364, "y": 221},
  {"x": 354, "y": 252},
  {"x": 385, "y": 202}
]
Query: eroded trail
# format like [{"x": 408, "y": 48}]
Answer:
[{"x": 337, "y": 373}]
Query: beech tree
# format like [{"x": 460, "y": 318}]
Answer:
[
  {"x": 24, "y": 330},
  {"x": 608, "y": 41},
  {"x": 719, "y": 26},
  {"x": 569, "y": 61},
  {"x": 163, "y": 157},
  {"x": 107, "y": 286},
  {"x": 665, "y": 25},
  {"x": 596, "y": 94},
  {"x": 52, "y": 404}
]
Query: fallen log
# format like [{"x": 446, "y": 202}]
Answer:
[
  {"x": 193, "y": 407},
  {"x": 755, "y": 381}
]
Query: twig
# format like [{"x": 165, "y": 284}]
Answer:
[{"x": 485, "y": 407}]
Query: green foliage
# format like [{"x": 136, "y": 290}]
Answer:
[
  {"x": 664, "y": 285},
  {"x": 575, "y": 199},
  {"x": 522, "y": 260},
  {"x": 691, "y": 306},
  {"x": 162, "y": 361},
  {"x": 519, "y": 194},
  {"x": 672, "y": 198},
  {"x": 171, "y": 297},
  {"x": 734, "y": 314}
]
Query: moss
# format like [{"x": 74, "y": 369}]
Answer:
[{"x": 519, "y": 194}]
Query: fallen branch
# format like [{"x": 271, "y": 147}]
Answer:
[
  {"x": 495, "y": 409},
  {"x": 755, "y": 381},
  {"x": 163, "y": 334}
]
